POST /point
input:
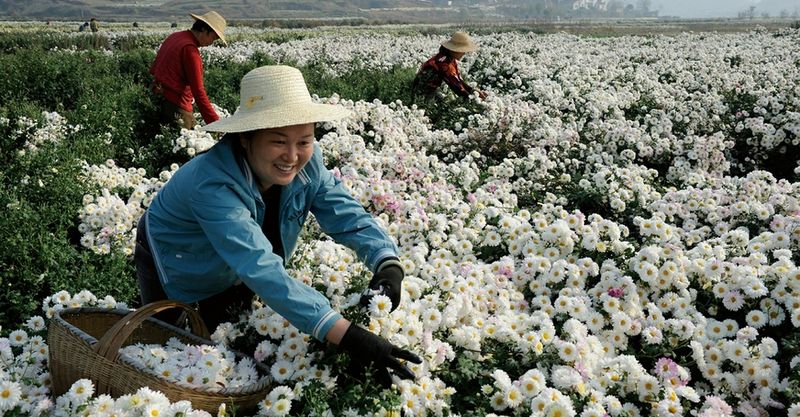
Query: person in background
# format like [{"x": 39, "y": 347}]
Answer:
[
  {"x": 93, "y": 25},
  {"x": 178, "y": 71},
  {"x": 444, "y": 67},
  {"x": 225, "y": 225}
]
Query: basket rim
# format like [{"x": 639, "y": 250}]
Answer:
[{"x": 263, "y": 382}]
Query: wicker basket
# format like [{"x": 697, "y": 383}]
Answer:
[{"x": 85, "y": 343}]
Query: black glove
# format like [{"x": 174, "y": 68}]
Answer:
[
  {"x": 368, "y": 349},
  {"x": 389, "y": 281}
]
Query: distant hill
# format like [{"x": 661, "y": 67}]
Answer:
[
  {"x": 379, "y": 10},
  {"x": 391, "y": 11},
  {"x": 177, "y": 9}
]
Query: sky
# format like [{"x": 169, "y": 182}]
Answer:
[{"x": 721, "y": 8}]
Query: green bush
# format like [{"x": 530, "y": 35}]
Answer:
[
  {"x": 361, "y": 83},
  {"x": 51, "y": 40},
  {"x": 41, "y": 195}
]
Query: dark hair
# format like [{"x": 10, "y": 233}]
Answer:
[
  {"x": 201, "y": 26},
  {"x": 445, "y": 51}
]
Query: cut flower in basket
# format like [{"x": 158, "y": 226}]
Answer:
[{"x": 205, "y": 367}]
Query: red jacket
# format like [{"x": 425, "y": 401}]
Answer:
[
  {"x": 441, "y": 67},
  {"x": 179, "y": 70}
]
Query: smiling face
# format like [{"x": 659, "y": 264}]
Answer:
[{"x": 276, "y": 155}]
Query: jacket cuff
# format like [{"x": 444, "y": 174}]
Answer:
[
  {"x": 324, "y": 325},
  {"x": 389, "y": 262},
  {"x": 374, "y": 262}
]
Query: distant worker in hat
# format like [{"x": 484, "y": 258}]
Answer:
[
  {"x": 444, "y": 67},
  {"x": 225, "y": 225},
  {"x": 178, "y": 71},
  {"x": 93, "y": 25}
]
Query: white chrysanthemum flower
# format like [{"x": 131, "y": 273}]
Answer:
[
  {"x": 81, "y": 390},
  {"x": 737, "y": 352},
  {"x": 282, "y": 370},
  {"x": 10, "y": 394},
  {"x": 498, "y": 401},
  {"x": 531, "y": 383},
  {"x": 380, "y": 305},
  {"x": 733, "y": 300},
  {"x": 652, "y": 335},
  {"x": 35, "y": 323},
  {"x": 567, "y": 351},
  {"x": 559, "y": 409},
  {"x": 668, "y": 408},
  {"x": 190, "y": 377},
  {"x": 492, "y": 239},
  {"x": 281, "y": 407},
  {"x": 18, "y": 338},
  {"x": 647, "y": 388},
  {"x": 102, "y": 405},
  {"x": 711, "y": 372},
  {"x": 166, "y": 371},
  {"x": 264, "y": 350},
  {"x": 154, "y": 410},
  {"x": 714, "y": 355},
  {"x": 756, "y": 319},
  {"x": 794, "y": 410}
]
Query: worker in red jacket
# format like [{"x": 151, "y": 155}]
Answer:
[
  {"x": 178, "y": 71},
  {"x": 443, "y": 67}
]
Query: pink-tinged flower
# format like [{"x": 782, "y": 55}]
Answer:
[
  {"x": 584, "y": 373},
  {"x": 719, "y": 404},
  {"x": 616, "y": 292},
  {"x": 506, "y": 271},
  {"x": 427, "y": 339},
  {"x": 393, "y": 206},
  {"x": 441, "y": 354},
  {"x": 336, "y": 173},
  {"x": 666, "y": 368}
]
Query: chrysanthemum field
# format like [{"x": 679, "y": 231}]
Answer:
[{"x": 615, "y": 231}]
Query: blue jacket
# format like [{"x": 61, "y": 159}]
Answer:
[{"x": 204, "y": 230}]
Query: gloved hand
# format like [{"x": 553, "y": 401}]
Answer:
[
  {"x": 389, "y": 281},
  {"x": 368, "y": 349}
]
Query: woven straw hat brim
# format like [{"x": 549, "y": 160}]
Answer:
[
  {"x": 470, "y": 47},
  {"x": 280, "y": 117},
  {"x": 215, "y": 26}
]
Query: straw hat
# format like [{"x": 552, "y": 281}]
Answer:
[
  {"x": 215, "y": 21},
  {"x": 460, "y": 42},
  {"x": 275, "y": 96}
]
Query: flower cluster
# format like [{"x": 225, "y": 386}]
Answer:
[
  {"x": 80, "y": 400},
  {"x": 24, "y": 377},
  {"x": 210, "y": 368},
  {"x": 53, "y": 130},
  {"x": 191, "y": 142},
  {"x": 108, "y": 218},
  {"x": 63, "y": 299}
]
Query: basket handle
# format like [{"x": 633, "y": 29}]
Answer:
[{"x": 112, "y": 341}]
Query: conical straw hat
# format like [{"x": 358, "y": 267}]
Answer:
[
  {"x": 460, "y": 42},
  {"x": 275, "y": 96},
  {"x": 215, "y": 21}
]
